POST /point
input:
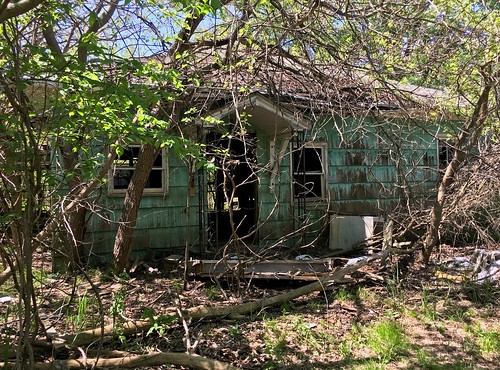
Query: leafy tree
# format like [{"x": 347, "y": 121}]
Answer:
[{"x": 74, "y": 76}]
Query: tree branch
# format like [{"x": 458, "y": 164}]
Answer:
[
  {"x": 205, "y": 312},
  {"x": 50, "y": 38},
  {"x": 77, "y": 196},
  {"x": 10, "y": 10},
  {"x": 94, "y": 27},
  {"x": 133, "y": 362}
]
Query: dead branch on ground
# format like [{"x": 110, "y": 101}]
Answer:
[
  {"x": 73, "y": 341},
  {"x": 134, "y": 361},
  {"x": 206, "y": 312}
]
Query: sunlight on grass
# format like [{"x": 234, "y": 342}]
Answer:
[
  {"x": 387, "y": 339},
  {"x": 429, "y": 361},
  {"x": 488, "y": 341}
]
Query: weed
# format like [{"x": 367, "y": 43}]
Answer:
[
  {"x": 160, "y": 324},
  {"x": 470, "y": 346},
  {"x": 177, "y": 285},
  {"x": 235, "y": 331},
  {"x": 480, "y": 293},
  {"x": 428, "y": 305},
  {"x": 117, "y": 305},
  {"x": 346, "y": 348},
  {"x": 394, "y": 286},
  {"x": 425, "y": 360},
  {"x": 315, "y": 305},
  {"x": 325, "y": 335},
  {"x": 397, "y": 295},
  {"x": 85, "y": 314},
  {"x": 351, "y": 342},
  {"x": 391, "y": 313},
  {"x": 460, "y": 314},
  {"x": 82, "y": 311},
  {"x": 213, "y": 292},
  {"x": 429, "y": 361},
  {"x": 371, "y": 364},
  {"x": 362, "y": 293},
  {"x": 285, "y": 308},
  {"x": 486, "y": 340},
  {"x": 41, "y": 277},
  {"x": 489, "y": 341},
  {"x": 387, "y": 339},
  {"x": 123, "y": 277},
  {"x": 303, "y": 332},
  {"x": 276, "y": 342},
  {"x": 342, "y": 295}
]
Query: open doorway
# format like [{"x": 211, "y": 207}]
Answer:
[{"x": 232, "y": 187}]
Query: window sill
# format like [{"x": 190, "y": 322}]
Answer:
[
  {"x": 312, "y": 201},
  {"x": 121, "y": 194}
]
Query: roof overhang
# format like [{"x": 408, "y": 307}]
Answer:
[{"x": 274, "y": 119}]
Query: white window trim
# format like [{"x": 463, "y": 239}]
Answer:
[
  {"x": 324, "y": 172},
  {"x": 442, "y": 141},
  {"x": 163, "y": 191}
]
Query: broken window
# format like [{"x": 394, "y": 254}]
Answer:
[
  {"x": 446, "y": 151},
  {"x": 123, "y": 169},
  {"x": 309, "y": 172}
]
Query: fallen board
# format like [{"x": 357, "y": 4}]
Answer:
[{"x": 273, "y": 269}]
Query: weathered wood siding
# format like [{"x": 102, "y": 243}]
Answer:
[
  {"x": 370, "y": 166},
  {"x": 161, "y": 223}
]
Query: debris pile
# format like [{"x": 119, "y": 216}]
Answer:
[{"x": 482, "y": 266}]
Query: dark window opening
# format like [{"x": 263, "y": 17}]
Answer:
[
  {"x": 124, "y": 167},
  {"x": 445, "y": 153},
  {"x": 308, "y": 172}
]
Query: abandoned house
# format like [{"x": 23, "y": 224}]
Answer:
[{"x": 293, "y": 174}]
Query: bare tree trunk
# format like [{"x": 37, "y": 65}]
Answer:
[
  {"x": 76, "y": 218},
  {"x": 466, "y": 141},
  {"x": 122, "y": 250}
]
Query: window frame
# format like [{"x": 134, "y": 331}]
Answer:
[
  {"x": 164, "y": 168},
  {"x": 447, "y": 143},
  {"x": 322, "y": 146}
]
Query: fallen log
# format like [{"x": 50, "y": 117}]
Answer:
[
  {"x": 196, "y": 313},
  {"x": 338, "y": 276},
  {"x": 207, "y": 312},
  {"x": 134, "y": 361}
]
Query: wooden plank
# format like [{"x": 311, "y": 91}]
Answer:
[{"x": 273, "y": 269}]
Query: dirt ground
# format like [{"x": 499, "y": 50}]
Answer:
[{"x": 436, "y": 323}]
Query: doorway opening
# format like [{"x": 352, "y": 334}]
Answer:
[{"x": 232, "y": 187}]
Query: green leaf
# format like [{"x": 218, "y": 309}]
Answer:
[
  {"x": 215, "y": 4},
  {"x": 119, "y": 151}
]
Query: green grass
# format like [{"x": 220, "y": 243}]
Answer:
[
  {"x": 343, "y": 295},
  {"x": 459, "y": 314},
  {"x": 84, "y": 312},
  {"x": 487, "y": 341},
  {"x": 429, "y": 306},
  {"x": 387, "y": 339},
  {"x": 430, "y": 362},
  {"x": 213, "y": 292}
]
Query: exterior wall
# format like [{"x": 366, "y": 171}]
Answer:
[
  {"x": 161, "y": 222},
  {"x": 369, "y": 172},
  {"x": 275, "y": 206},
  {"x": 365, "y": 171}
]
